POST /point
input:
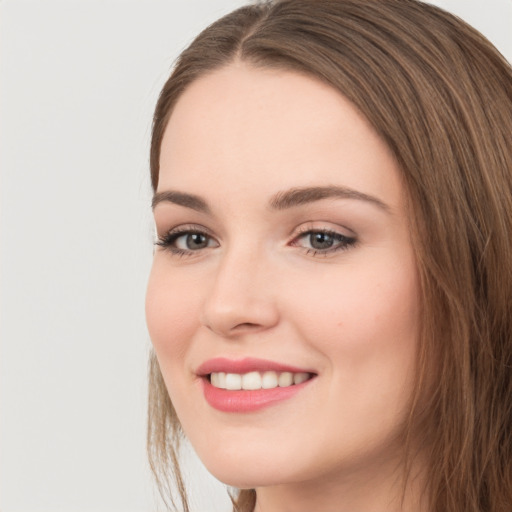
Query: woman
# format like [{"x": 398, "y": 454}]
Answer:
[{"x": 330, "y": 300}]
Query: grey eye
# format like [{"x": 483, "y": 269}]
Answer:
[
  {"x": 320, "y": 240},
  {"x": 324, "y": 242},
  {"x": 192, "y": 241}
]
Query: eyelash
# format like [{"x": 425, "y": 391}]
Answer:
[
  {"x": 168, "y": 240},
  {"x": 343, "y": 242}
]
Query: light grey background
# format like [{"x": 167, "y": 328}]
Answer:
[{"x": 78, "y": 83}]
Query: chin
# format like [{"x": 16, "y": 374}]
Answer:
[
  {"x": 247, "y": 470},
  {"x": 246, "y": 478}
]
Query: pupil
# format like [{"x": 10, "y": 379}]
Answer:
[
  {"x": 196, "y": 241},
  {"x": 321, "y": 240}
]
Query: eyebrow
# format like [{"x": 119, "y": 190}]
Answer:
[
  {"x": 182, "y": 199},
  {"x": 297, "y": 196},
  {"x": 280, "y": 201}
]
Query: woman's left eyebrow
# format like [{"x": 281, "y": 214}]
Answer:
[{"x": 298, "y": 196}]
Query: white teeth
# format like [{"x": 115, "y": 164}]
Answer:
[
  {"x": 214, "y": 379},
  {"x": 269, "y": 380},
  {"x": 285, "y": 379},
  {"x": 256, "y": 380},
  {"x": 251, "y": 380},
  {"x": 233, "y": 381},
  {"x": 299, "y": 378},
  {"x": 222, "y": 380}
]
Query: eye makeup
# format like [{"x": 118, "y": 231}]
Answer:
[{"x": 189, "y": 240}]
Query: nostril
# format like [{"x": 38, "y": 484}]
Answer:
[
  {"x": 233, "y": 316},
  {"x": 238, "y": 329},
  {"x": 246, "y": 326}
]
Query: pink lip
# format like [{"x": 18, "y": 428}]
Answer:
[
  {"x": 246, "y": 365},
  {"x": 247, "y": 401},
  {"x": 243, "y": 401}
]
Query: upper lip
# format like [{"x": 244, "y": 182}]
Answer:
[{"x": 246, "y": 365}]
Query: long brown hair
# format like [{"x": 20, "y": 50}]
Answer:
[{"x": 440, "y": 95}]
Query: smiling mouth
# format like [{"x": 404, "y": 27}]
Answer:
[
  {"x": 255, "y": 380},
  {"x": 249, "y": 385}
]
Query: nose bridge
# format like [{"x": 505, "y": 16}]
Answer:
[{"x": 241, "y": 294}]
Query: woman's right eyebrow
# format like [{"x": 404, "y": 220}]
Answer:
[{"x": 182, "y": 199}]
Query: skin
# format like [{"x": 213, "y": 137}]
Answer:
[{"x": 236, "y": 138}]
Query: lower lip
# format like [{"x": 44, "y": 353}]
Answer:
[{"x": 248, "y": 401}]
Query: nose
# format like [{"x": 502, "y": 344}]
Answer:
[{"x": 242, "y": 296}]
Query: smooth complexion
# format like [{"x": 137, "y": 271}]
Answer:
[{"x": 251, "y": 266}]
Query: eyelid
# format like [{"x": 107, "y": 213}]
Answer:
[
  {"x": 343, "y": 242},
  {"x": 166, "y": 240},
  {"x": 324, "y": 227},
  {"x": 185, "y": 228},
  {"x": 340, "y": 240}
]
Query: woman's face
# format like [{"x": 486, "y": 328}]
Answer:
[{"x": 284, "y": 255}]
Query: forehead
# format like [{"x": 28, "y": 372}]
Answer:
[{"x": 255, "y": 128}]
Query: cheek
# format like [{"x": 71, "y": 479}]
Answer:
[
  {"x": 362, "y": 317},
  {"x": 171, "y": 314},
  {"x": 366, "y": 328}
]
